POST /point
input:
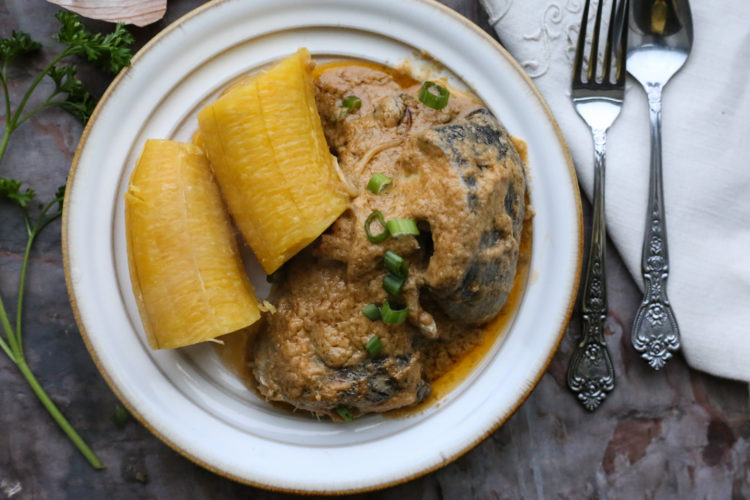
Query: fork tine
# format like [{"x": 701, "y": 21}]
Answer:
[
  {"x": 578, "y": 65},
  {"x": 595, "y": 42},
  {"x": 623, "y": 45},
  {"x": 610, "y": 45}
]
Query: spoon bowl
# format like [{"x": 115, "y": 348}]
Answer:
[{"x": 660, "y": 39}]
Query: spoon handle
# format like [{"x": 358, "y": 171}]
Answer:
[
  {"x": 590, "y": 372},
  {"x": 655, "y": 332}
]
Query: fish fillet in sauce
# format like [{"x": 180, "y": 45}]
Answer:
[{"x": 457, "y": 173}]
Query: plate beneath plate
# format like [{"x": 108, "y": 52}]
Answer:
[{"x": 187, "y": 397}]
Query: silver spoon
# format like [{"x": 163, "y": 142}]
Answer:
[{"x": 659, "y": 41}]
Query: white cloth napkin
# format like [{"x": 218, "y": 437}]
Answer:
[{"x": 706, "y": 163}]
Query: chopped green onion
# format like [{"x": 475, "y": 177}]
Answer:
[
  {"x": 378, "y": 182},
  {"x": 376, "y": 238},
  {"x": 344, "y": 413},
  {"x": 374, "y": 346},
  {"x": 372, "y": 312},
  {"x": 352, "y": 103},
  {"x": 393, "y": 284},
  {"x": 431, "y": 99},
  {"x": 349, "y": 104},
  {"x": 393, "y": 316},
  {"x": 402, "y": 227},
  {"x": 396, "y": 264}
]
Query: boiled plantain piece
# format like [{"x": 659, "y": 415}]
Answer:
[
  {"x": 267, "y": 149},
  {"x": 185, "y": 268}
]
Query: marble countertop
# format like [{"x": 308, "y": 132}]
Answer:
[{"x": 674, "y": 434}]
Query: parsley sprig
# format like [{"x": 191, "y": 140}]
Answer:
[{"x": 110, "y": 53}]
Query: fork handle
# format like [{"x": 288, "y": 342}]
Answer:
[
  {"x": 655, "y": 332},
  {"x": 590, "y": 372}
]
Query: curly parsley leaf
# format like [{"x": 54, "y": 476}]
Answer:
[
  {"x": 78, "y": 100},
  {"x": 10, "y": 190},
  {"x": 109, "y": 52},
  {"x": 19, "y": 44}
]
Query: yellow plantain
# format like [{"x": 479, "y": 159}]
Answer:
[
  {"x": 267, "y": 149},
  {"x": 185, "y": 268}
]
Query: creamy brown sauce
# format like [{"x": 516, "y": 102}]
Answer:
[
  {"x": 458, "y": 363},
  {"x": 457, "y": 173},
  {"x": 403, "y": 79}
]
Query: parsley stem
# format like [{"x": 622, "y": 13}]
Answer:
[
  {"x": 58, "y": 416},
  {"x": 12, "y": 342},
  {"x": 14, "y": 347},
  {"x": 21, "y": 286},
  {"x": 8, "y": 129},
  {"x": 6, "y": 349},
  {"x": 38, "y": 108},
  {"x": 40, "y": 223},
  {"x": 44, "y": 219},
  {"x": 6, "y": 92},
  {"x": 4, "y": 143},
  {"x": 9, "y": 350},
  {"x": 32, "y": 87},
  {"x": 12, "y": 120}
]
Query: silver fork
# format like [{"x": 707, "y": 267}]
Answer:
[{"x": 598, "y": 101}]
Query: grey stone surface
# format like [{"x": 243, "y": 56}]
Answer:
[{"x": 675, "y": 434}]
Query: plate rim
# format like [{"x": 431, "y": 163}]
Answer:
[{"x": 457, "y": 17}]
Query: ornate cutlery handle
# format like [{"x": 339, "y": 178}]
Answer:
[
  {"x": 655, "y": 332},
  {"x": 590, "y": 372}
]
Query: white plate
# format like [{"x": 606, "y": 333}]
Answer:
[{"x": 186, "y": 397}]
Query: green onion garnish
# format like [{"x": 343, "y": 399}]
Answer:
[
  {"x": 372, "y": 312},
  {"x": 376, "y": 238},
  {"x": 352, "y": 103},
  {"x": 396, "y": 264},
  {"x": 402, "y": 227},
  {"x": 349, "y": 104},
  {"x": 393, "y": 316},
  {"x": 393, "y": 284},
  {"x": 374, "y": 346},
  {"x": 431, "y": 99},
  {"x": 344, "y": 413},
  {"x": 378, "y": 182}
]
